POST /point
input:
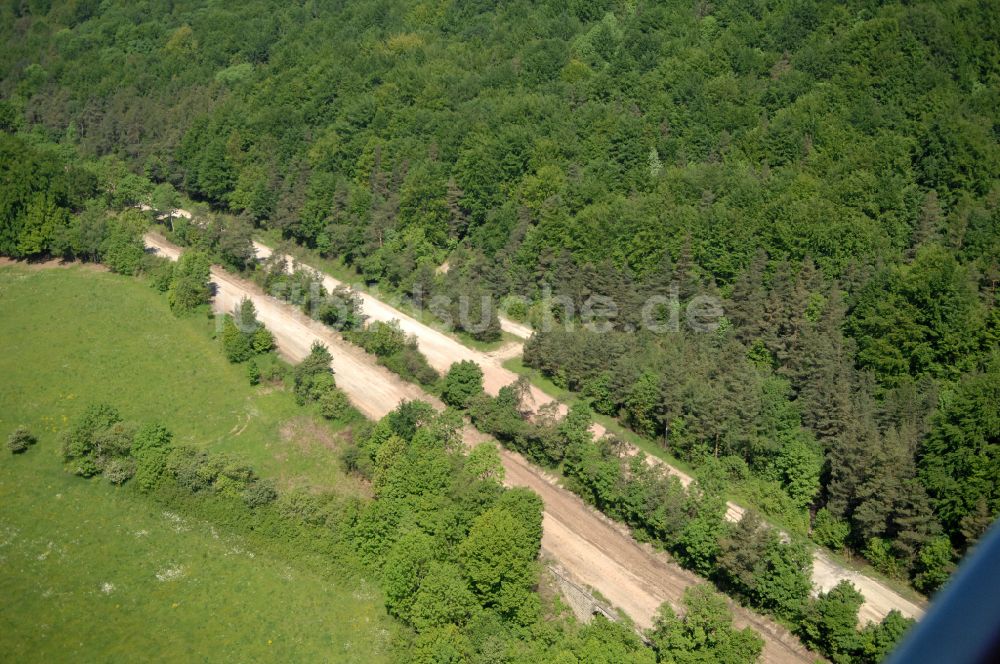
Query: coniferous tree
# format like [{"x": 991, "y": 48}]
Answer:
[
  {"x": 851, "y": 455},
  {"x": 746, "y": 307},
  {"x": 826, "y": 380}
]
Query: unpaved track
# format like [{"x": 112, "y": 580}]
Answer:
[
  {"x": 594, "y": 550},
  {"x": 374, "y": 390},
  {"x": 517, "y": 329},
  {"x": 634, "y": 577},
  {"x": 441, "y": 350}
]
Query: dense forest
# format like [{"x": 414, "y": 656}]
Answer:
[{"x": 831, "y": 171}]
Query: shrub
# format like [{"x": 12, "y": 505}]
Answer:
[
  {"x": 313, "y": 375},
  {"x": 150, "y": 447},
  {"x": 356, "y": 460},
  {"x": 160, "y": 271},
  {"x": 20, "y": 440},
  {"x": 934, "y": 564},
  {"x": 253, "y": 373},
  {"x": 411, "y": 364},
  {"x": 774, "y": 574},
  {"x": 830, "y": 625},
  {"x": 383, "y": 339},
  {"x": 262, "y": 340},
  {"x": 123, "y": 249},
  {"x": 879, "y": 553},
  {"x": 829, "y": 531},
  {"x": 877, "y": 641},
  {"x": 770, "y": 497},
  {"x": 275, "y": 373},
  {"x": 309, "y": 508},
  {"x": 189, "y": 284},
  {"x": 704, "y": 633},
  {"x": 601, "y": 394},
  {"x": 259, "y": 493},
  {"x": 113, "y": 441},
  {"x": 442, "y": 598},
  {"x": 243, "y": 336},
  {"x": 410, "y": 416},
  {"x": 334, "y": 405},
  {"x": 77, "y": 442},
  {"x": 476, "y": 314},
  {"x": 119, "y": 470},
  {"x": 463, "y": 381},
  {"x": 341, "y": 309},
  {"x": 735, "y": 467},
  {"x": 192, "y": 469},
  {"x": 235, "y": 343}
]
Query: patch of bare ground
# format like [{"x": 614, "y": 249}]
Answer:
[
  {"x": 269, "y": 387},
  {"x": 554, "y": 607}
]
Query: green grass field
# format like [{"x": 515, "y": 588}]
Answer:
[
  {"x": 90, "y": 575},
  {"x": 74, "y": 336},
  {"x": 90, "y": 572}
]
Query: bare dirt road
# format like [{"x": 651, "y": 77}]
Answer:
[
  {"x": 519, "y": 330},
  {"x": 594, "y": 550},
  {"x": 603, "y": 555},
  {"x": 441, "y": 350},
  {"x": 375, "y": 390}
]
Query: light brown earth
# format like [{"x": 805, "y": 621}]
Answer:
[
  {"x": 441, "y": 350},
  {"x": 517, "y": 329},
  {"x": 594, "y": 550}
]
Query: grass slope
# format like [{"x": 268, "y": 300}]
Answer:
[
  {"x": 90, "y": 575},
  {"x": 90, "y": 571}
]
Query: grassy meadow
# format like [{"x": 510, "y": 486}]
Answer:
[
  {"x": 90, "y": 572},
  {"x": 75, "y": 336}
]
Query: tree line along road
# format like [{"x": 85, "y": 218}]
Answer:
[
  {"x": 594, "y": 550},
  {"x": 442, "y": 350}
]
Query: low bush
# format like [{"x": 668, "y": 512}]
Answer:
[
  {"x": 463, "y": 381},
  {"x": 829, "y": 531},
  {"x": 334, "y": 405},
  {"x": 243, "y": 336},
  {"x": 411, "y": 365},
  {"x": 159, "y": 271},
  {"x": 20, "y": 440},
  {"x": 259, "y": 493},
  {"x": 253, "y": 373},
  {"x": 313, "y": 376}
]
